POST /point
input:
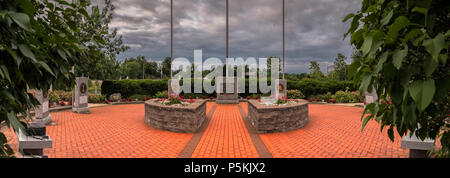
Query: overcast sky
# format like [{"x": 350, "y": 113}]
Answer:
[{"x": 314, "y": 29}]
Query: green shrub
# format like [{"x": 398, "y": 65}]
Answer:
[
  {"x": 128, "y": 88},
  {"x": 59, "y": 95},
  {"x": 140, "y": 97},
  {"x": 161, "y": 94},
  {"x": 308, "y": 87},
  {"x": 311, "y": 87},
  {"x": 347, "y": 97},
  {"x": 92, "y": 98},
  {"x": 295, "y": 94}
]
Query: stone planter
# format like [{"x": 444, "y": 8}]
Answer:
[
  {"x": 187, "y": 119},
  {"x": 272, "y": 118}
]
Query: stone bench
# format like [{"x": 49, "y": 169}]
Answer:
[{"x": 417, "y": 148}]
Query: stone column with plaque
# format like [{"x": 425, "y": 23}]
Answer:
[
  {"x": 80, "y": 96},
  {"x": 370, "y": 97},
  {"x": 227, "y": 92},
  {"x": 173, "y": 87},
  {"x": 280, "y": 88},
  {"x": 42, "y": 111}
]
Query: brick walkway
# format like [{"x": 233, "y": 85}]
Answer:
[
  {"x": 120, "y": 131},
  {"x": 226, "y": 136}
]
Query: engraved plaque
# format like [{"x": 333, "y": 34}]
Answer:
[
  {"x": 369, "y": 99},
  {"x": 83, "y": 99},
  {"x": 83, "y": 88},
  {"x": 45, "y": 107}
]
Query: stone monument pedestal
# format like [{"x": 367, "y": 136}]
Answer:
[
  {"x": 32, "y": 146},
  {"x": 417, "y": 148},
  {"x": 227, "y": 92},
  {"x": 42, "y": 111},
  {"x": 80, "y": 96}
]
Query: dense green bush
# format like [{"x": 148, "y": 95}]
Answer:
[
  {"x": 59, "y": 95},
  {"x": 161, "y": 94},
  {"x": 128, "y": 88},
  {"x": 96, "y": 98},
  {"x": 347, "y": 97},
  {"x": 310, "y": 87},
  {"x": 295, "y": 94},
  {"x": 140, "y": 97}
]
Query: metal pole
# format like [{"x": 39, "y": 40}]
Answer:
[
  {"x": 284, "y": 65},
  {"x": 226, "y": 34},
  {"x": 171, "y": 36},
  {"x": 226, "y": 56}
]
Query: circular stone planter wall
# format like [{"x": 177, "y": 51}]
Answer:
[
  {"x": 269, "y": 119},
  {"x": 175, "y": 118}
]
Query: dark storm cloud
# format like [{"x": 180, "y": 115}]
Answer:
[{"x": 314, "y": 29}]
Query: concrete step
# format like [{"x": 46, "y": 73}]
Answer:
[{"x": 236, "y": 101}]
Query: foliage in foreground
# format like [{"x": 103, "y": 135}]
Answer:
[
  {"x": 404, "y": 46},
  {"x": 38, "y": 47}
]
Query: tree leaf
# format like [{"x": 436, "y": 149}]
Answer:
[
  {"x": 430, "y": 66},
  {"x": 398, "y": 57},
  {"x": 422, "y": 93},
  {"x": 27, "y": 52},
  {"x": 421, "y": 10},
  {"x": 62, "y": 54},
  {"x": 365, "y": 83},
  {"x": 46, "y": 67},
  {"x": 14, "y": 56},
  {"x": 348, "y": 17},
  {"x": 22, "y": 20},
  {"x": 387, "y": 18},
  {"x": 5, "y": 72},
  {"x": 15, "y": 123},
  {"x": 382, "y": 60},
  {"x": 367, "y": 44},
  {"x": 413, "y": 33},
  {"x": 435, "y": 45},
  {"x": 399, "y": 23}
]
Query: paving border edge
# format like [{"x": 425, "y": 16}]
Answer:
[
  {"x": 260, "y": 147},
  {"x": 190, "y": 147}
]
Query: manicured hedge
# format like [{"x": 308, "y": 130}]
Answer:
[
  {"x": 308, "y": 87},
  {"x": 128, "y": 88},
  {"x": 311, "y": 87}
]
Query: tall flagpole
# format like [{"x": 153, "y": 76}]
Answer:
[
  {"x": 227, "y": 35},
  {"x": 284, "y": 65},
  {"x": 171, "y": 36}
]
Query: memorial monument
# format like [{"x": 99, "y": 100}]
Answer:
[
  {"x": 42, "y": 111},
  {"x": 80, "y": 96}
]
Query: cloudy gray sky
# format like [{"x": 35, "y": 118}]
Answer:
[{"x": 314, "y": 29}]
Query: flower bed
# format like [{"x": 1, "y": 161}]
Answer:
[
  {"x": 269, "y": 117},
  {"x": 185, "y": 115}
]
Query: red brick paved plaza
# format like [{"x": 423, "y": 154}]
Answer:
[{"x": 120, "y": 131}]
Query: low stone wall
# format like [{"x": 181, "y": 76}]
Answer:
[
  {"x": 269, "y": 119},
  {"x": 175, "y": 118}
]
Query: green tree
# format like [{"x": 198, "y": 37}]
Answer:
[
  {"x": 132, "y": 70},
  {"x": 340, "y": 67},
  {"x": 404, "y": 56},
  {"x": 37, "y": 49},
  {"x": 314, "y": 70},
  {"x": 151, "y": 70},
  {"x": 166, "y": 67},
  {"x": 101, "y": 62}
]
